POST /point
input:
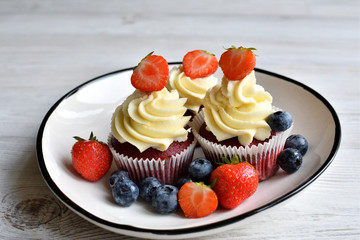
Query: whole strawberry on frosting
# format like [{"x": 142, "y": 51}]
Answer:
[
  {"x": 235, "y": 182},
  {"x": 237, "y": 63}
]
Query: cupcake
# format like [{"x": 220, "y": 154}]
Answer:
[
  {"x": 193, "y": 78},
  {"x": 148, "y": 135},
  {"x": 233, "y": 120}
]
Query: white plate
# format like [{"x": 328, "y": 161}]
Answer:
[{"x": 89, "y": 108}]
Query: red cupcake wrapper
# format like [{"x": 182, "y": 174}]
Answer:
[
  {"x": 262, "y": 156},
  {"x": 166, "y": 171}
]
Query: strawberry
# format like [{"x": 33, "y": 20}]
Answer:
[
  {"x": 91, "y": 158},
  {"x": 197, "y": 200},
  {"x": 235, "y": 182},
  {"x": 237, "y": 63},
  {"x": 151, "y": 74},
  {"x": 199, "y": 64}
]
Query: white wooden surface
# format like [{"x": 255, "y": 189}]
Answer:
[{"x": 49, "y": 47}]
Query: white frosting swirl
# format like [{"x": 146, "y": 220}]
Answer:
[
  {"x": 192, "y": 89},
  {"x": 153, "y": 119},
  {"x": 238, "y": 109}
]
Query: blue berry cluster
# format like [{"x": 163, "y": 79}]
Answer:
[
  {"x": 163, "y": 198},
  {"x": 124, "y": 191},
  {"x": 290, "y": 159}
]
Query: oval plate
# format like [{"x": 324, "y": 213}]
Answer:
[{"x": 89, "y": 107}]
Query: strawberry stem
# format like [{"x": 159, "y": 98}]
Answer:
[
  {"x": 91, "y": 138},
  {"x": 241, "y": 48},
  {"x": 208, "y": 52},
  {"x": 234, "y": 160}
]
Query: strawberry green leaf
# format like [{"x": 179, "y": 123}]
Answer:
[
  {"x": 149, "y": 54},
  {"x": 234, "y": 160},
  {"x": 250, "y": 48},
  {"x": 79, "y": 138},
  {"x": 226, "y": 160},
  {"x": 212, "y": 184}
]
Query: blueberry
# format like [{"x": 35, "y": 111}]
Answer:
[
  {"x": 290, "y": 160},
  {"x": 116, "y": 176},
  {"x": 298, "y": 142},
  {"x": 165, "y": 199},
  {"x": 147, "y": 187},
  {"x": 182, "y": 181},
  {"x": 125, "y": 192},
  {"x": 279, "y": 121},
  {"x": 200, "y": 170}
]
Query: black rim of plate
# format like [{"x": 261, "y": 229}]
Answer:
[{"x": 219, "y": 224}]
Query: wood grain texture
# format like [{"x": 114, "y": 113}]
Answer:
[{"x": 49, "y": 47}]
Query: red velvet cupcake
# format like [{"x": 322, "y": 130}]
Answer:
[
  {"x": 149, "y": 137},
  {"x": 233, "y": 120},
  {"x": 167, "y": 166}
]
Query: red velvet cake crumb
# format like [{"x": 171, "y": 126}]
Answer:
[
  {"x": 130, "y": 150},
  {"x": 233, "y": 142}
]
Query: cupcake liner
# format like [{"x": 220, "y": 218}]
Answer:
[
  {"x": 166, "y": 171},
  {"x": 263, "y": 156}
]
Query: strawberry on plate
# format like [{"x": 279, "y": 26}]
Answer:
[
  {"x": 91, "y": 158},
  {"x": 237, "y": 63},
  {"x": 151, "y": 74},
  {"x": 197, "y": 200},
  {"x": 235, "y": 182},
  {"x": 199, "y": 64}
]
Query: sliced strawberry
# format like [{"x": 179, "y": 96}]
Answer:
[
  {"x": 199, "y": 64},
  {"x": 151, "y": 74},
  {"x": 237, "y": 63},
  {"x": 197, "y": 200}
]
